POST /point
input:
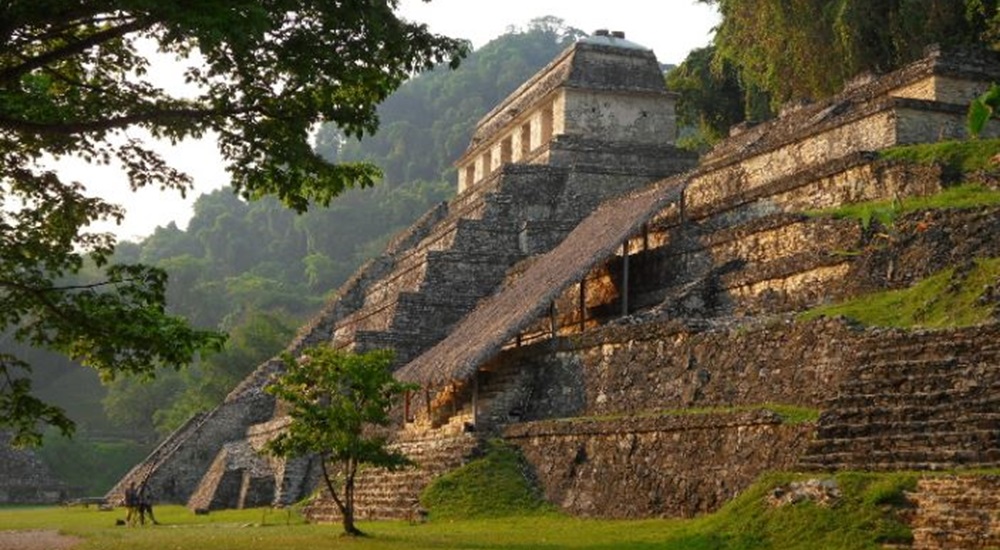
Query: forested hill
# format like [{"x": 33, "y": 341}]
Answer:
[
  {"x": 257, "y": 270},
  {"x": 427, "y": 123}
]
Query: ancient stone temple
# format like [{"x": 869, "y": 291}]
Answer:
[
  {"x": 25, "y": 479},
  {"x": 595, "y": 123},
  {"x": 590, "y": 280}
]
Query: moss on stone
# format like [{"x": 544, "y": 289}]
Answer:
[
  {"x": 949, "y": 298},
  {"x": 958, "y": 156},
  {"x": 886, "y": 212}
]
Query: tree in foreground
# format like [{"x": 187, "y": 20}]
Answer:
[
  {"x": 339, "y": 404},
  {"x": 75, "y": 82}
]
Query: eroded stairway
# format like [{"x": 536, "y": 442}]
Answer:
[{"x": 923, "y": 400}]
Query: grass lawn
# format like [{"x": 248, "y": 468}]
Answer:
[
  {"x": 864, "y": 518},
  {"x": 243, "y": 529}
]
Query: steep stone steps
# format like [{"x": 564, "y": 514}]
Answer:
[
  {"x": 166, "y": 449},
  {"x": 897, "y": 432},
  {"x": 945, "y": 438},
  {"x": 909, "y": 418},
  {"x": 913, "y": 348},
  {"x": 917, "y": 399},
  {"x": 914, "y": 407},
  {"x": 381, "y": 494},
  {"x": 449, "y": 282},
  {"x": 956, "y": 512}
]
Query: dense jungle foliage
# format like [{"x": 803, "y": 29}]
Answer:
[{"x": 766, "y": 53}]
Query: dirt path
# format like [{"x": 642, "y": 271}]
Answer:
[{"x": 36, "y": 540}]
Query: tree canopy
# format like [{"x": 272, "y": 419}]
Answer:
[
  {"x": 806, "y": 49},
  {"x": 75, "y": 79},
  {"x": 336, "y": 402},
  {"x": 769, "y": 52}
]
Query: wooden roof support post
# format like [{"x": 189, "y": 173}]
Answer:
[
  {"x": 583, "y": 304},
  {"x": 475, "y": 398},
  {"x": 552, "y": 319},
  {"x": 625, "y": 253}
]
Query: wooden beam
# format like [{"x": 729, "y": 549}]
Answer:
[
  {"x": 625, "y": 254},
  {"x": 552, "y": 319},
  {"x": 475, "y": 399}
]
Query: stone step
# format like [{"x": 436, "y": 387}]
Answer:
[
  {"x": 381, "y": 494},
  {"x": 889, "y": 350},
  {"x": 880, "y": 462},
  {"x": 932, "y": 374},
  {"x": 865, "y": 436},
  {"x": 984, "y": 412},
  {"x": 970, "y": 396}
]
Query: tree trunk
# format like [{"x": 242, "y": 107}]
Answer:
[{"x": 348, "y": 512}]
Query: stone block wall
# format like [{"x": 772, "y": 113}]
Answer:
[
  {"x": 650, "y": 366},
  {"x": 655, "y": 466},
  {"x": 752, "y": 252}
]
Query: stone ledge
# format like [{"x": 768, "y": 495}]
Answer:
[{"x": 642, "y": 424}]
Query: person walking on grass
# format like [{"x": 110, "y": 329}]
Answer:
[
  {"x": 145, "y": 504},
  {"x": 131, "y": 504}
]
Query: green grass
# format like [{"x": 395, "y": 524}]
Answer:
[
  {"x": 864, "y": 518},
  {"x": 945, "y": 299},
  {"x": 498, "y": 484},
  {"x": 886, "y": 212},
  {"x": 957, "y": 156}
]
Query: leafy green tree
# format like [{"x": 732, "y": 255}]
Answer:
[
  {"x": 75, "y": 81},
  {"x": 257, "y": 336},
  {"x": 806, "y": 49},
  {"x": 981, "y": 110},
  {"x": 337, "y": 402},
  {"x": 711, "y": 97}
]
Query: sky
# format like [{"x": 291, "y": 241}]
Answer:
[{"x": 671, "y": 28}]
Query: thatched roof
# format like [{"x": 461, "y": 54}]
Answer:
[{"x": 497, "y": 319}]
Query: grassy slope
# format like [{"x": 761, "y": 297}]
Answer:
[
  {"x": 945, "y": 299},
  {"x": 948, "y": 298}
]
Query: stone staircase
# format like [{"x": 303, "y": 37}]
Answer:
[
  {"x": 956, "y": 512},
  {"x": 381, "y": 494},
  {"x": 145, "y": 469},
  {"x": 466, "y": 255},
  {"x": 915, "y": 401}
]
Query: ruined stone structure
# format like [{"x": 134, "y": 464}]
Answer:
[
  {"x": 583, "y": 288},
  {"x": 24, "y": 478},
  {"x": 582, "y": 153}
]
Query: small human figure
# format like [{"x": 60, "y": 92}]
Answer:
[
  {"x": 146, "y": 505},
  {"x": 131, "y": 504}
]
